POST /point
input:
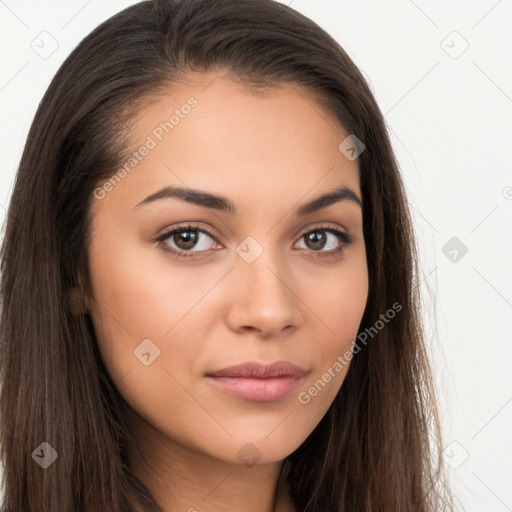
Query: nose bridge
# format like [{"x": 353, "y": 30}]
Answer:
[
  {"x": 268, "y": 302},
  {"x": 260, "y": 263}
]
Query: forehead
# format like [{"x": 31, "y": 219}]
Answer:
[{"x": 215, "y": 134}]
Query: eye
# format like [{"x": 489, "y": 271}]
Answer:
[
  {"x": 187, "y": 240},
  {"x": 318, "y": 238}
]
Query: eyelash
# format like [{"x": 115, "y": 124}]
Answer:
[{"x": 343, "y": 237}]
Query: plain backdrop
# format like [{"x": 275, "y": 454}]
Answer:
[{"x": 442, "y": 75}]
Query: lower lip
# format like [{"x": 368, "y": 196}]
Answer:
[{"x": 257, "y": 390}]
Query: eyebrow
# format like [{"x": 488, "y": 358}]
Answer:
[{"x": 222, "y": 204}]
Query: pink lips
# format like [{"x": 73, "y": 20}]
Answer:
[{"x": 258, "y": 382}]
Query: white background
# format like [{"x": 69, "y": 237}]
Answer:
[{"x": 449, "y": 111}]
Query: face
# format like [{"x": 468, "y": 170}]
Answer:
[{"x": 187, "y": 284}]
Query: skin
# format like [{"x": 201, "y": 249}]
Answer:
[{"x": 268, "y": 155}]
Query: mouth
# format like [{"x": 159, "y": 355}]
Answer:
[{"x": 258, "y": 382}]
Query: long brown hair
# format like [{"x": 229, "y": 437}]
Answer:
[{"x": 378, "y": 448}]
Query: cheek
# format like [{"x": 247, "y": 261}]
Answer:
[
  {"x": 131, "y": 294},
  {"x": 341, "y": 303},
  {"x": 338, "y": 311},
  {"x": 127, "y": 305},
  {"x": 132, "y": 312},
  {"x": 136, "y": 299}
]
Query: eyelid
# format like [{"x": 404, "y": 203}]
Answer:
[
  {"x": 166, "y": 232},
  {"x": 345, "y": 239},
  {"x": 324, "y": 226}
]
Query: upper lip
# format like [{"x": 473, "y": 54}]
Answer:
[{"x": 260, "y": 370}]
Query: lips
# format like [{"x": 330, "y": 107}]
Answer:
[
  {"x": 258, "y": 382},
  {"x": 261, "y": 371}
]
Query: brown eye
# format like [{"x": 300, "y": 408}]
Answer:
[
  {"x": 186, "y": 241},
  {"x": 187, "y": 237},
  {"x": 335, "y": 240},
  {"x": 316, "y": 240}
]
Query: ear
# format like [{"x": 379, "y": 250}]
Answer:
[{"x": 77, "y": 302}]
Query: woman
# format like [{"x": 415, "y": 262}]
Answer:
[{"x": 208, "y": 279}]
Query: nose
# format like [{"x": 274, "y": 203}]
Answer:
[{"x": 263, "y": 298}]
